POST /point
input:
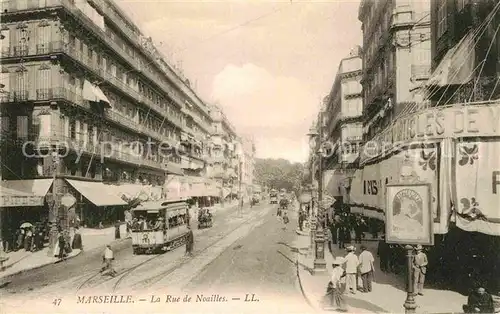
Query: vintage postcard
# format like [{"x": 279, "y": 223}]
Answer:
[{"x": 249, "y": 156}]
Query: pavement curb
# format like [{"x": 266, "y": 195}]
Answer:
[
  {"x": 308, "y": 301},
  {"x": 46, "y": 264}
]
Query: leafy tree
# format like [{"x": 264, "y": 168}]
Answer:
[{"x": 279, "y": 174}]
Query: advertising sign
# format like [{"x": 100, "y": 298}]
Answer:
[
  {"x": 435, "y": 124},
  {"x": 477, "y": 184},
  {"x": 408, "y": 219}
]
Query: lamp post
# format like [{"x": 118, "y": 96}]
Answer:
[
  {"x": 54, "y": 212},
  {"x": 410, "y": 305},
  {"x": 317, "y": 234}
]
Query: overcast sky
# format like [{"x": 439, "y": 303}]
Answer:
[{"x": 267, "y": 63}]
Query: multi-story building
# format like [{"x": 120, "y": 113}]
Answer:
[
  {"x": 465, "y": 77},
  {"x": 465, "y": 51},
  {"x": 396, "y": 59},
  {"x": 87, "y": 100},
  {"x": 343, "y": 123},
  {"x": 247, "y": 165},
  {"x": 224, "y": 161}
]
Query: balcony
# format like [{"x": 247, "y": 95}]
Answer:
[
  {"x": 14, "y": 96},
  {"x": 14, "y": 6},
  {"x": 67, "y": 95}
]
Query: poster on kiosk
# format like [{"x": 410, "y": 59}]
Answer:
[{"x": 409, "y": 214}]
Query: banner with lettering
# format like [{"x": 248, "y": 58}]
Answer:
[
  {"x": 365, "y": 187},
  {"x": 477, "y": 184},
  {"x": 421, "y": 164},
  {"x": 435, "y": 124},
  {"x": 418, "y": 164}
]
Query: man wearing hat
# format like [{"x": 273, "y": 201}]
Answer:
[
  {"x": 419, "y": 269},
  {"x": 334, "y": 292},
  {"x": 351, "y": 269}
]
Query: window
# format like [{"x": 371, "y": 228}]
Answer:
[
  {"x": 44, "y": 125},
  {"x": 21, "y": 82},
  {"x": 43, "y": 79},
  {"x": 5, "y": 37},
  {"x": 24, "y": 38},
  {"x": 72, "y": 129},
  {"x": 22, "y": 127},
  {"x": 43, "y": 38},
  {"x": 442, "y": 19},
  {"x": 5, "y": 81}
]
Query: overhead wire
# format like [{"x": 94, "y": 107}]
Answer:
[{"x": 478, "y": 32}]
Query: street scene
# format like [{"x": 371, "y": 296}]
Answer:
[{"x": 250, "y": 156}]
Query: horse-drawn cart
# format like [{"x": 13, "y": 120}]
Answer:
[{"x": 204, "y": 218}]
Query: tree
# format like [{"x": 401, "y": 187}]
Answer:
[{"x": 279, "y": 174}]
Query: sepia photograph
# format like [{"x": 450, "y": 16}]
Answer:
[
  {"x": 249, "y": 156},
  {"x": 408, "y": 214}
]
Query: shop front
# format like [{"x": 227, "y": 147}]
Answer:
[
  {"x": 455, "y": 149},
  {"x": 22, "y": 201},
  {"x": 98, "y": 204}
]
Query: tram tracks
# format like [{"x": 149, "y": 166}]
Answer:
[
  {"x": 96, "y": 278},
  {"x": 159, "y": 277}
]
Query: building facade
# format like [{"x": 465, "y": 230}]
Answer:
[
  {"x": 89, "y": 107},
  {"x": 224, "y": 160},
  {"x": 343, "y": 123},
  {"x": 465, "y": 51},
  {"x": 247, "y": 165},
  {"x": 396, "y": 59}
]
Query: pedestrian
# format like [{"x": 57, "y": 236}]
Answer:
[
  {"x": 301, "y": 219},
  {"x": 77, "y": 240},
  {"x": 342, "y": 236},
  {"x": 329, "y": 239},
  {"x": 107, "y": 259},
  {"x": 382, "y": 253},
  {"x": 351, "y": 270},
  {"x": 117, "y": 229},
  {"x": 366, "y": 268},
  {"x": 62, "y": 245},
  {"x": 335, "y": 290},
  {"x": 479, "y": 301},
  {"x": 286, "y": 220},
  {"x": 27, "y": 239},
  {"x": 189, "y": 242},
  {"x": 419, "y": 269},
  {"x": 358, "y": 230}
]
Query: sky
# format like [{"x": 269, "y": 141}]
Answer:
[{"x": 268, "y": 64}]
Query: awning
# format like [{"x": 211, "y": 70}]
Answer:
[
  {"x": 198, "y": 189},
  {"x": 15, "y": 193},
  {"x": 332, "y": 182},
  {"x": 225, "y": 192},
  {"x": 97, "y": 193},
  {"x": 456, "y": 67},
  {"x": 174, "y": 169},
  {"x": 94, "y": 93}
]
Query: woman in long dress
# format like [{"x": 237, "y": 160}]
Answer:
[
  {"x": 77, "y": 240},
  {"x": 335, "y": 290}
]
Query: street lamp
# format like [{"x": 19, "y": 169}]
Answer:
[
  {"x": 317, "y": 234},
  {"x": 54, "y": 212}
]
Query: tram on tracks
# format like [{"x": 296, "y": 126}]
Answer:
[{"x": 159, "y": 226}]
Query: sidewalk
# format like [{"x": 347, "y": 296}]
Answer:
[
  {"x": 22, "y": 261},
  {"x": 388, "y": 293}
]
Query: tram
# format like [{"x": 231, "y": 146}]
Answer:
[{"x": 159, "y": 226}]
